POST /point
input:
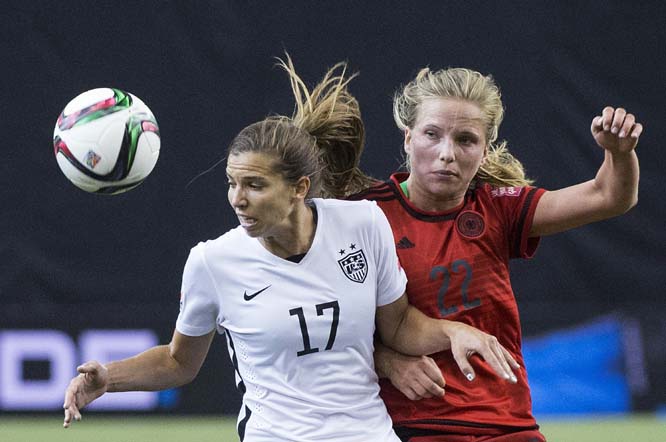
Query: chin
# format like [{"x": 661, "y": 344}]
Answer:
[
  {"x": 441, "y": 187},
  {"x": 251, "y": 231}
]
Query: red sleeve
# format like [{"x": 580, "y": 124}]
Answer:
[
  {"x": 525, "y": 247},
  {"x": 517, "y": 206}
]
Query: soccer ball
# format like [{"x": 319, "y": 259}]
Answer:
[{"x": 106, "y": 141}]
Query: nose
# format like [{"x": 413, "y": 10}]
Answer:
[
  {"x": 237, "y": 197},
  {"x": 446, "y": 150}
]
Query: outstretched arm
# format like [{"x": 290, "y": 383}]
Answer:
[
  {"x": 158, "y": 368},
  {"x": 612, "y": 192}
]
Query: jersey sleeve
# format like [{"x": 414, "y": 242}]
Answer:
[
  {"x": 198, "y": 308},
  {"x": 391, "y": 278},
  {"x": 518, "y": 205}
]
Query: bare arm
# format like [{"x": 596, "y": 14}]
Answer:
[
  {"x": 408, "y": 331},
  {"x": 612, "y": 192},
  {"x": 158, "y": 368}
]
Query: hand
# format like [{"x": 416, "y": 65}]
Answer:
[
  {"x": 467, "y": 340},
  {"x": 616, "y": 131},
  {"x": 90, "y": 384},
  {"x": 417, "y": 377}
]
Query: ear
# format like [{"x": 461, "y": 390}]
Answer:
[
  {"x": 302, "y": 187},
  {"x": 408, "y": 141},
  {"x": 485, "y": 155}
]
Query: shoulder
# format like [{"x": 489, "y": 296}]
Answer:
[
  {"x": 379, "y": 192},
  {"x": 347, "y": 213},
  {"x": 332, "y": 207},
  {"x": 506, "y": 195},
  {"x": 233, "y": 240},
  {"x": 509, "y": 203},
  {"x": 342, "y": 205}
]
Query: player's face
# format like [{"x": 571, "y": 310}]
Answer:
[
  {"x": 262, "y": 199},
  {"x": 446, "y": 146}
]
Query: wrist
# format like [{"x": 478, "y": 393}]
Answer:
[
  {"x": 449, "y": 329},
  {"x": 382, "y": 358}
]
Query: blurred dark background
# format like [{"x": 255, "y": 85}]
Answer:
[{"x": 71, "y": 262}]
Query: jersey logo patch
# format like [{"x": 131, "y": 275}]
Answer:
[
  {"x": 470, "y": 224},
  {"x": 250, "y": 297},
  {"x": 506, "y": 191},
  {"x": 404, "y": 243},
  {"x": 354, "y": 266}
]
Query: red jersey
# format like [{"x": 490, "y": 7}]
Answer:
[{"x": 457, "y": 265}]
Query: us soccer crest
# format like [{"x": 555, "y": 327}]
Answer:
[{"x": 354, "y": 266}]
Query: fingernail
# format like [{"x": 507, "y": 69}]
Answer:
[
  {"x": 470, "y": 377},
  {"x": 622, "y": 134},
  {"x": 513, "y": 378},
  {"x": 614, "y": 130}
]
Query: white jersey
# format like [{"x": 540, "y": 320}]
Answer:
[{"x": 300, "y": 335}]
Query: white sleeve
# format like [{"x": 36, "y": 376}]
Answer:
[
  {"x": 391, "y": 278},
  {"x": 198, "y": 306}
]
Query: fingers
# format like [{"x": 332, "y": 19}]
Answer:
[
  {"x": 423, "y": 389},
  {"x": 411, "y": 394},
  {"x": 433, "y": 382},
  {"x": 73, "y": 398},
  {"x": 89, "y": 367},
  {"x": 622, "y": 128},
  {"x": 498, "y": 353},
  {"x": 418, "y": 378},
  {"x": 636, "y": 131},
  {"x": 71, "y": 413},
  {"x": 494, "y": 356},
  {"x": 71, "y": 410},
  {"x": 464, "y": 365},
  {"x": 68, "y": 419},
  {"x": 607, "y": 118},
  {"x": 618, "y": 122},
  {"x": 512, "y": 362}
]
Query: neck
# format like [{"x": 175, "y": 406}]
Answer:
[{"x": 296, "y": 238}]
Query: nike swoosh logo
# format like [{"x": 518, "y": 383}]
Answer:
[{"x": 250, "y": 297}]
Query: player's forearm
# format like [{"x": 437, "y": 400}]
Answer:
[
  {"x": 617, "y": 182},
  {"x": 154, "y": 369},
  {"x": 418, "y": 334},
  {"x": 383, "y": 357}
]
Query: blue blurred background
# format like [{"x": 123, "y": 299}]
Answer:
[{"x": 86, "y": 276}]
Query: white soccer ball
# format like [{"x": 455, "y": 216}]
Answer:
[{"x": 106, "y": 141}]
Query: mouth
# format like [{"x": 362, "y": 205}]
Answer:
[
  {"x": 445, "y": 173},
  {"x": 246, "y": 221}
]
